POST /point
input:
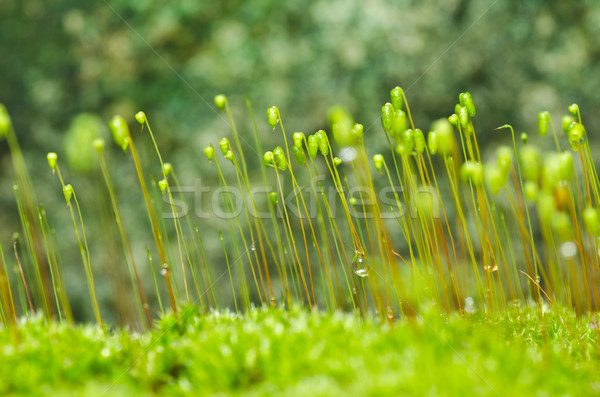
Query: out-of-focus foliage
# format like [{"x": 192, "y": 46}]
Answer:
[{"x": 61, "y": 59}]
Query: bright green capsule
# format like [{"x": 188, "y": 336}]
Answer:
[
  {"x": 566, "y": 168},
  {"x": 378, "y": 162},
  {"x": 298, "y": 139},
  {"x": 52, "y": 157},
  {"x": 546, "y": 208},
  {"x": 298, "y": 154},
  {"x": 551, "y": 172},
  {"x": 432, "y": 142},
  {"x": 463, "y": 115},
  {"x": 445, "y": 136},
  {"x": 229, "y": 156},
  {"x": 524, "y": 137},
  {"x": 466, "y": 100},
  {"x": 323, "y": 142},
  {"x": 577, "y": 136},
  {"x": 567, "y": 122},
  {"x": 274, "y": 198},
  {"x": 387, "y": 117},
  {"x": 120, "y": 131},
  {"x": 471, "y": 171},
  {"x": 399, "y": 124},
  {"x": 591, "y": 221},
  {"x": 453, "y": 119},
  {"x": 530, "y": 191},
  {"x": 574, "y": 109},
  {"x": 224, "y": 145},
  {"x": 530, "y": 163},
  {"x": 68, "y": 193},
  {"x": 272, "y": 116},
  {"x": 419, "y": 140},
  {"x": 280, "y": 160},
  {"x": 163, "y": 184},
  {"x": 396, "y": 97},
  {"x": 407, "y": 145},
  {"x": 167, "y": 168},
  {"x": 493, "y": 178},
  {"x": 5, "y": 122},
  {"x": 357, "y": 132},
  {"x": 209, "y": 151},
  {"x": 313, "y": 145},
  {"x": 352, "y": 201},
  {"x": 268, "y": 159},
  {"x": 140, "y": 117},
  {"x": 98, "y": 145},
  {"x": 505, "y": 156},
  {"x": 220, "y": 101},
  {"x": 125, "y": 144},
  {"x": 337, "y": 161},
  {"x": 543, "y": 120},
  {"x": 561, "y": 224}
]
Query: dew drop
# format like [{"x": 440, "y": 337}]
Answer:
[
  {"x": 273, "y": 301},
  {"x": 359, "y": 264},
  {"x": 568, "y": 250},
  {"x": 165, "y": 270},
  {"x": 469, "y": 305},
  {"x": 389, "y": 313},
  {"x": 252, "y": 247}
]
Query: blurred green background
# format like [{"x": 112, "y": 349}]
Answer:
[{"x": 62, "y": 59}]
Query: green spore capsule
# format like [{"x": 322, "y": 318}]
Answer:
[
  {"x": 268, "y": 159},
  {"x": 378, "y": 162},
  {"x": 530, "y": 163},
  {"x": 272, "y": 116},
  {"x": 463, "y": 115},
  {"x": 357, "y": 132},
  {"x": 298, "y": 138},
  {"x": 574, "y": 109},
  {"x": 399, "y": 124},
  {"x": 432, "y": 142},
  {"x": 323, "y": 142},
  {"x": 567, "y": 122},
  {"x": 591, "y": 221},
  {"x": 224, "y": 145},
  {"x": 5, "y": 121},
  {"x": 52, "y": 157},
  {"x": 298, "y": 154},
  {"x": 120, "y": 131},
  {"x": 471, "y": 171},
  {"x": 545, "y": 205},
  {"x": 163, "y": 184},
  {"x": 99, "y": 145},
  {"x": 337, "y": 161},
  {"x": 466, "y": 100},
  {"x": 280, "y": 160},
  {"x": 561, "y": 224},
  {"x": 419, "y": 140},
  {"x": 387, "y": 117},
  {"x": 313, "y": 145},
  {"x": 140, "y": 117},
  {"x": 274, "y": 197},
  {"x": 493, "y": 178},
  {"x": 220, "y": 101},
  {"x": 396, "y": 97},
  {"x": 453, "y": 119},
  {"x": 543, "y": 121},
  {"x": 209, "y": 151},
  {"x": 167, "y": 168},
  {"x": 577, "y": 136},
  {"x": 445, "y": 136},
  {"x": 68, "y": 193},
  {"x": 505, "y": 156},
  {"x": 524, "y": 138},
  {"x": 551, "y": 172},
  {"x": 407, "y": 139},
  {"x": 229, "y": 156},
  {"x": 566, "y": 168},
  {"x": 530, "y": 191},
  {"x": 125, "y": 144},
  {"x": 352, "y": 201}
]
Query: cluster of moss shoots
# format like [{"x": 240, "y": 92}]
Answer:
[{"x": 522, "y": 227}]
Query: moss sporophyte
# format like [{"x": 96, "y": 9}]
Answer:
[{"x": 427, "y": 221}]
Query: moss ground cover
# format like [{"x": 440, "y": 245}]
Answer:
[{"x": 295, "y": 352}]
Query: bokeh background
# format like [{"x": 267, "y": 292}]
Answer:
[{"x": 68, "y": 65}]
